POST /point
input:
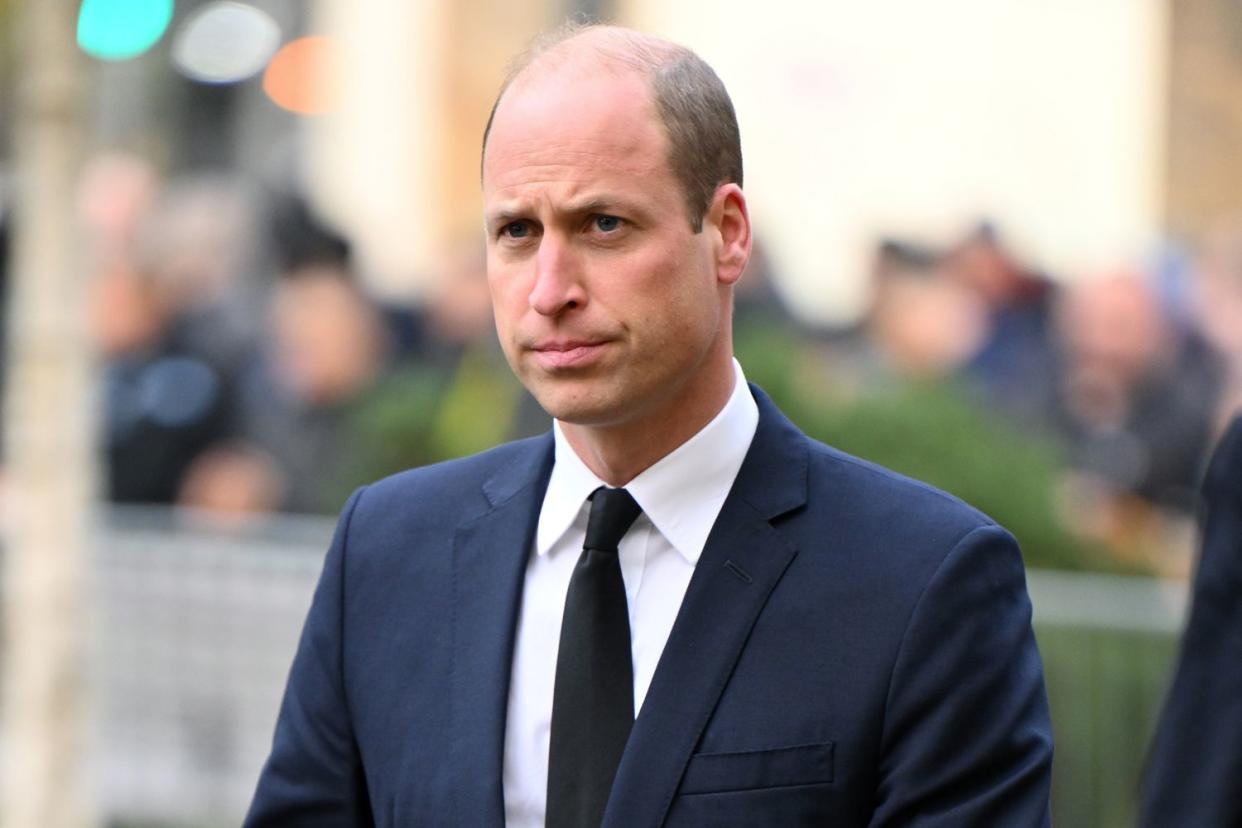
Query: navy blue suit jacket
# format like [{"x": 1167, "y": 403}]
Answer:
[
  {"x": 854, "y": 648},
  {"x": 1194, "y": 774}
]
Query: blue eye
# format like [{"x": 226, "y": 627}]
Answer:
[
  {"x": 515, "y": 230},
  {"x": 607, "y": 223}
]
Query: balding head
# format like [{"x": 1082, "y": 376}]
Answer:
[
  {"x": 1113, "y": 325},
  {"x": 694, "y": 109}
]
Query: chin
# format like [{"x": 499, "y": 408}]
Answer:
[
  {"x": 574, "y": 406},
  {"x": 583, "y": 415}
]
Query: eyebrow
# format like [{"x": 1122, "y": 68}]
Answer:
[
  {"x": 592, "y": 204},
  {"x": 504, "y": 215},
  {"x": 606, "y": 204}
]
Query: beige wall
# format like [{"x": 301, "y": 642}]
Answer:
[
  {"x": 911, "y": 117},
  {"x": 396, "y": 166}
]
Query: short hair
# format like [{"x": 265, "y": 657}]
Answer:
[{"x": 705, "y": 148}]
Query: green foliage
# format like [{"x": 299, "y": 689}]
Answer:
[
  {"x": 421, "y": 415},
  {"x": 392, "y": 426},
  {"x": 932, "y": 432},
  {"x": 478, "y": 405}
]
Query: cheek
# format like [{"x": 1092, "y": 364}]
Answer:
[
  {"x": 691, "y": 297},
  {"x": 678, "y": 316}
]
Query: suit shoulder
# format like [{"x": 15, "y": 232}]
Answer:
[
  {"x": 872, "y": 532},
  {"x": 453, "y": 488},
  {"x": 883, "y": 495}
]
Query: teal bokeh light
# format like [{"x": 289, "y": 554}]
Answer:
[{"x": 120, "y": 29}]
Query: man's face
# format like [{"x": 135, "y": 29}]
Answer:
[{"x": 607, "y": 304}]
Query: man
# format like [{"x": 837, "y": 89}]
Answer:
[
  {"x": 806, "y": 638},
  {"x": 1196, "y": 758}
]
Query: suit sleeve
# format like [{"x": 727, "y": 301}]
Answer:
[
  {"x": 967, "y": 739},
  {"x": 314, "y": 775}
]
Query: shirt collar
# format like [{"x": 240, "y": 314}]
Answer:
[{"x": 681, "y": 494}]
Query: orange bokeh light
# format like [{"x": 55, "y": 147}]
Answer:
[{"x": 302, "y": 76}]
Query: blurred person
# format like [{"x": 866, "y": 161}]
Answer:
[
  {"x": 1133, "y": 402},
  {"x": 1196, "y": 755},
  {"x": 922, "y": 324},
  {"x": 919, "y": 326},
  {"x": 324, "y": 359},
  {"x": 115, "y": 197},
  {"x": 337, "y": 366},
  {"x": 324, "y": 350},
  {"x": 165, "y": 399},
  {"x": 326, "y": 338},
  {"x": 199, "y": 244},
  {"x": 301, "y": 238},
  {"x": 805, "y": 638},
  {"x": 231, "y": 483},
  {"x": 164, "y": 403},
  {"x": 1013, "y": 361}
]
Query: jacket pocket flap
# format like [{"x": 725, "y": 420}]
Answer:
[{"x": 746, "y": 770}]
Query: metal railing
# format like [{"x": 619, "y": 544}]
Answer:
[
  {"x": 191, "y": 639},
  {"x": 1108, "y": 644}
]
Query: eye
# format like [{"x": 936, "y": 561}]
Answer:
[
  {"x": 607, "y": 224},
  {"x": 515, "y": 230}
]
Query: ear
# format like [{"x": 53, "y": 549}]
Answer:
[{"x": 729, "y": 219}]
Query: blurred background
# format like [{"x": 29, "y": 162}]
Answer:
[{"x": 1000, "y": 249}]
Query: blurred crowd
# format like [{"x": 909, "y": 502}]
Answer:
[
  {"x": 246, "y": 368},
  {"x": 1130, "y": 374}
]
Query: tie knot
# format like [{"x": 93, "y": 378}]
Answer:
[{"x": 613, "y": 511}]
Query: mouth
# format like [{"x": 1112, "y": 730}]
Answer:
[{"x": 568, "y": 354}]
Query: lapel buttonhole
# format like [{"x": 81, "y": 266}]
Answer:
[{"x": 742, "y": 574}]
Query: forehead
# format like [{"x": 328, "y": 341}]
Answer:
[{"x": 573, "y": 122}]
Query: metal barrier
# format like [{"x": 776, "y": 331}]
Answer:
[
  {"x": 192, "y": 632},
  {"x": 191, "y": 639},
  {"x": 1108, "y": 645}
]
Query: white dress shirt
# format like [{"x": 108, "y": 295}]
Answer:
[{"x": 680, "y": 495}]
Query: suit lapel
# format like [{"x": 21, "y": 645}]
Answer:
[
  {"x": 489, "y": 560},
  {"x": 741, "y": 564}
]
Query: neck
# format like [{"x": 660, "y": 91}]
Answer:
[{"x": 618, "y": 452}]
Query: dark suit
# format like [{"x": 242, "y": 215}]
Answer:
[
  {"x": 854, "y": 648},
  {"x": 1194, "y": 774}
]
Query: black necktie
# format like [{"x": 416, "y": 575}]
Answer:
[{"x": 593, "y": 703}]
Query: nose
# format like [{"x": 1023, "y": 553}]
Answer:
[{"x": 558, "y": 284}]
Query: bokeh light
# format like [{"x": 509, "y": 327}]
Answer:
[
  {"x": 225, "y": 42},
  {"x": 121, "y": 29},
  {"x": 299, "y": 76}
]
